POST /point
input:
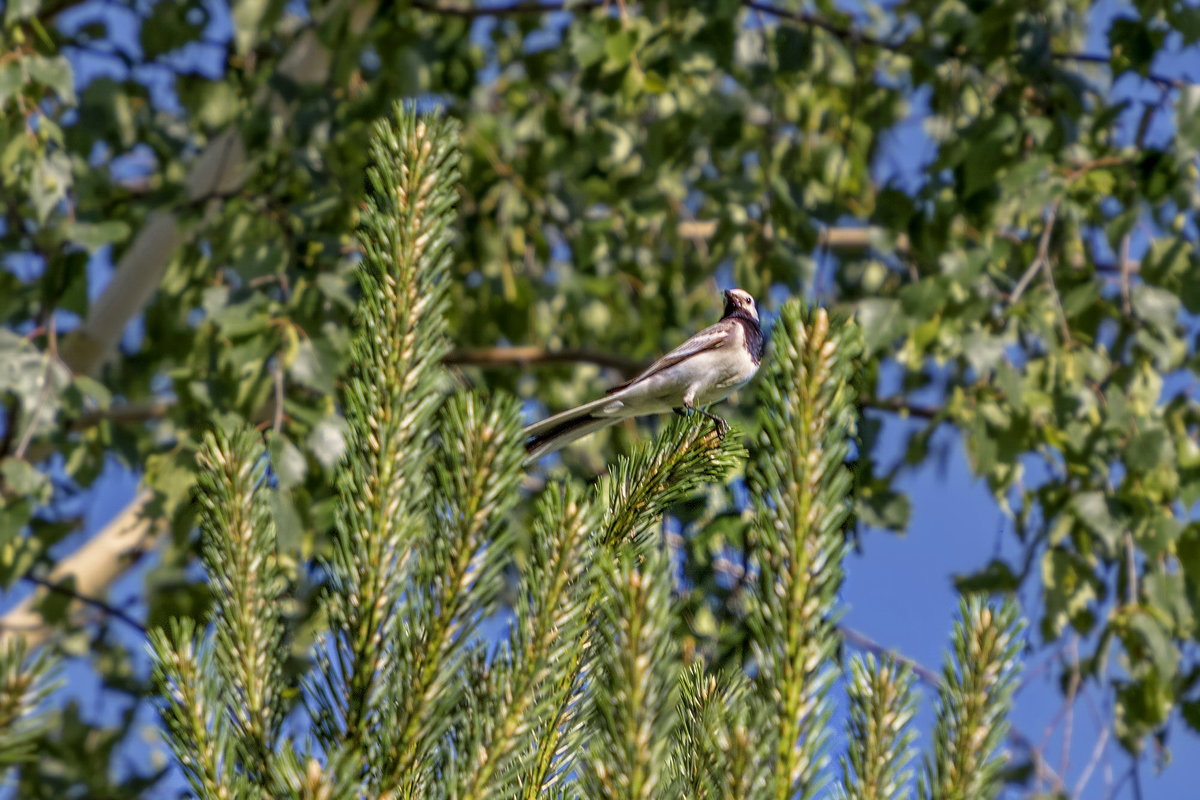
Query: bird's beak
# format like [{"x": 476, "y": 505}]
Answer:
[{"x": 727, "y": 294}]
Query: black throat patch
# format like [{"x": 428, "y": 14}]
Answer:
[{"x": 756, "y": 343}]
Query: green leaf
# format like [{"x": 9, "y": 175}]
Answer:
[
  {"x": 793, "y": 48},
  {"x": 1149, "y": 449},
  {"x": 1163, "y": 653},
  {"x": 327, "y": 441},
  {"x": 1133, "y": 44},
  {"x": 170, "y": 25},
  {"x": 1068, "y": 586},
  {"x": 54, "y": 73},
  {"x": 1094, "y": 511},
  {"x": 23, "y": 478},
  {"x": 93, "y": 235},
  {"x": 1158, "y": 307},
  {"x": 996, "y": 578},
  {"x": 287, "y": 462},
  {"x": 880, "y": 506},
  {"x": 17, "y": 10},
  {"x": 881, "y": 321}
]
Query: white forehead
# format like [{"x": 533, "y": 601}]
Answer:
[{"x": 740, "y": 295}]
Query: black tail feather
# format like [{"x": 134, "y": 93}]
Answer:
[{"x": 558, "y": 430}]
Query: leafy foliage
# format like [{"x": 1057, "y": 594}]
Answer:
[{"x": 802, "y": 489}]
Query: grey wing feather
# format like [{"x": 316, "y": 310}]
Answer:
[{"x": 708, "y": 339}]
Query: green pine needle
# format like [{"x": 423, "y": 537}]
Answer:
[
  {"x": 391, "y": 399},
  {"x": 978, "y": 682},
  {"x": 240, "y": 558},
  {"x": 518, "y": 729},
  {"x": 457, "y": 574},
  {"x": 25, "y": 682},
  {"x": 879, "y": 734},
  {"x": 801, "y": 488},
  {"x": 634, "y": 679},
  {"x": 639, "y": 488},
  {"x": 713, "y": 757}
]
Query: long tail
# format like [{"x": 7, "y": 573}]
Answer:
[{"x": 556, "y": 432}]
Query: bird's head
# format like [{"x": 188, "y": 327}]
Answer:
[{"x": 740, "y": 303}]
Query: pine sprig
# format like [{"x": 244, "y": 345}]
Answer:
[
  {"x": 390, "y": 401},
  {"x": 879, "y": 736},
  {"x": 519, "y": 743},
  {"x": 634, "y": 495},
  {"x": 457, "y": 574},
  {"x": 978, "y": 681},
  {"x": 24, "y": 684},
  {"x": 713, "y": 757},
  {"x": 634, "y": 680},
  {"x": 239, "y": 553},
  {"x": 198, "y": 727},
  {"x": 640, "y": 487},
  {"x": 224, "y": 692},
  {"x": 801, "y": 488}
]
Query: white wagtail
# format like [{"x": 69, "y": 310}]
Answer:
[{"x": 705, "y": 369}]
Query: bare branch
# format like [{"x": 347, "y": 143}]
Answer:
[{"x": 1042, "y": 257}]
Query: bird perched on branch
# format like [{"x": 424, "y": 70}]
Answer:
[{"x": 705, "y": 369}]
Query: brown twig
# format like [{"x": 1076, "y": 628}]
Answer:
[
  {"x": 1043, "y": 254},
  {"x": 901, "y": 406}
]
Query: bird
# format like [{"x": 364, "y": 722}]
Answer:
[{"x": 705, "y": 369}]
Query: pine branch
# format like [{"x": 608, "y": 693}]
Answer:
[
  {"x": 240, "y": 558},
  {"x": 713, "y": 757},
  {"x": 24, "y": 684},
  {"x": 225, "y": 692},
  {"x": 197, "y": 727},
  {"x": 879, "y": 736},
  {"x": 390, "y": 401},
  {"x": 517, "y": 741},
  {"x": 634, "y": 494},
  {"x": 634, "y": 680},
  {"x": 978, "y": 681},
  {"x": 802, "y": 491},
  {"x": 457, "y": 575},
  {"x": 639, "y": 488}
]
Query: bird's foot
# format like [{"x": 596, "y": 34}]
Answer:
[{"x": 721, "y": 425}]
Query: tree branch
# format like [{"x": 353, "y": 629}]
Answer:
[
  {"x": 107, "y": 608},
  {"x": 92, "y": 568}
]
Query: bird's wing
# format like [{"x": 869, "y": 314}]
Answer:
[{"x": 707, "y": 339}]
